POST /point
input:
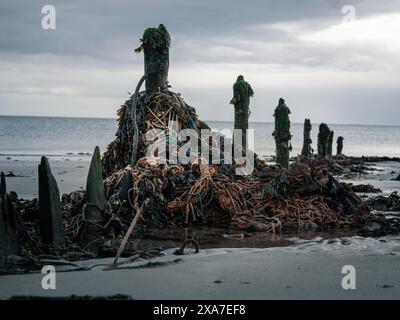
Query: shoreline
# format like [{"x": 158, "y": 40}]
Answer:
[{"x": 112, "y": 117}]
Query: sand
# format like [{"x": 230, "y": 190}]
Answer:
[{"x": 306, "y": 270}]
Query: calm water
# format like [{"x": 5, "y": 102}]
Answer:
[{"x": 59, "y": 136}]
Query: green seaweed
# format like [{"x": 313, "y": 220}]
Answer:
[
  {"x": 307, "y": 150},
  {"x": 282, "y": 134},
  {"x": 242, "y": 91}
]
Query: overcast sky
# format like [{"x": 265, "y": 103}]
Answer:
[{"x": 326, "y": 69}]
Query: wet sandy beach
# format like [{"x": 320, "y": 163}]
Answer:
[{"x": 305, "y": 270}]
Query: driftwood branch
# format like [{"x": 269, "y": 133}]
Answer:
[{"x": 128, "y": 233}]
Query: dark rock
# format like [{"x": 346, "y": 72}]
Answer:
[
  {"x": 377, "y": 225},
  {"x": 382, "y": 203},
  {"x": 367, "y": 188},
  {"x": 51, "y": 224},
  {"x": 386, "y": 286}
]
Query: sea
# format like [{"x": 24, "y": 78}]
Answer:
[{"x": 56, "y": 136}]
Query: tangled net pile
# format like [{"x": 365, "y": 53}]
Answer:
[{"x": 273, "y": 200}]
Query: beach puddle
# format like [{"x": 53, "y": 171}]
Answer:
[{"x": 209, "y": 237}]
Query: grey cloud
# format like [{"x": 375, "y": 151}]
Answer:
[
  {"x": 87, "y": 64},
  {"x": 103, "y": 28}
]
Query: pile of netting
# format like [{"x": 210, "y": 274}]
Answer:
[{"x": 273, "y": 200}]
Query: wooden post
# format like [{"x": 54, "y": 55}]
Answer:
[{"x": 51, "y": 224}]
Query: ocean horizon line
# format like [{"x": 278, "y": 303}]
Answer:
[{"x": 227, "y": 121}]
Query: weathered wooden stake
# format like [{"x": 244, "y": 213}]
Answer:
[
  {"x": 94, "y": 196},
  {"x": 51, "y": 224},
  {"x": 155, "y": 43},
  {"x": 8, "y": 226},
  {"x": 3, "y": 239},
  {"x": 325, "y": 140},
  {"x": 330, "y": 144},
  {"x": 282, "y": 134},
  {"x": 242, "y": 92},
  {"x": 307, "y": 150},
  {"x": 94, "y": 186},
  {"x": 339, "y": 148}
]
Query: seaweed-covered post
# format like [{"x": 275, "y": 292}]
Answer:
[
  {"x": 282, "y": 134},
  {"x": 339, "y": 148},
  {"x": 325, "y": 140},
  {"x": 242, "y": 92},
  {"x": 307, "y": 150},
  {"x": 330, "y": 144},
  {"x": 155, "y": 43}
]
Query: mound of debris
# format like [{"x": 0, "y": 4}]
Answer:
[{"x": 273, "y": 199}]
